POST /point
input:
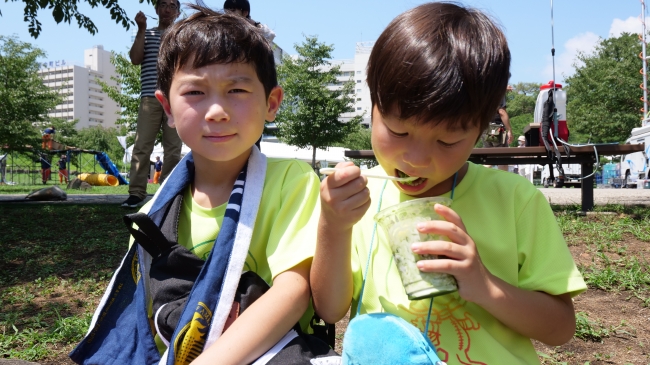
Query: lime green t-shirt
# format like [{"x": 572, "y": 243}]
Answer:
[
  {"x": 519, "y": 241},
  {"x": 285, "y": 228}
]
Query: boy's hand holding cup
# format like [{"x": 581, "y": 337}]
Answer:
[
  {"x": 344, "y": 197},
  {"x": 401, "y": 224},
  {"x": 461, "y": 258}
]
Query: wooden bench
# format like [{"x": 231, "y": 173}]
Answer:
[{"x": 585, "y": 156}]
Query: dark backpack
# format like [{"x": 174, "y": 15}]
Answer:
[{"x": 174, "y": 270}]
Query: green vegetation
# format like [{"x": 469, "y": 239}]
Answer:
[
  {"x": 24, "y": 99},
  {"x": 66, "y": 10},
  {"x": 603, "y": 95},
  {"x": 521, "y": 107},
  {"x": 107, "y": 190},
  {"x": 57, "y": 260},
  {"x": 310, "y": 113}
]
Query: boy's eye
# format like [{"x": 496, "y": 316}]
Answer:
[
  {"x": 193, "y": 92},
  {"x": 397, "y": 134},
  {"x": 445, "y": 144},
  {"x": 237, "y": 91}
]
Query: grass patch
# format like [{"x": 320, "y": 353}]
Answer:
[
  {"x": 104, "y": 190},
  {"x": 56, "y": 261}
]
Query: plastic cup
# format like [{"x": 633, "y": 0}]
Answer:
[{"x": 399, "y": 222}]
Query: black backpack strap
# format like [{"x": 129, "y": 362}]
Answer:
[
  {"x": 148, "y": 235},
  {"x": 153, "y": 239}
]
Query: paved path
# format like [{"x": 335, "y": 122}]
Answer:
[
  {"x": 72, "y": 199},
  {"x": 555, "y": 196},
  {"x": 565, "y": 196}
]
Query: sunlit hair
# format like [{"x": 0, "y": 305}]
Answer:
[
  {"x": 440, "y": 63},
  {"x": 209, "y": 37}
]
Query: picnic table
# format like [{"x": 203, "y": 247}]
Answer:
[{"x": 584, "y": 155}]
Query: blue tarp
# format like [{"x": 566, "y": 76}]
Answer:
[{"x": 110, "y": 167}]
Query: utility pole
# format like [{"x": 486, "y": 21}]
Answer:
[{"x": 644, "y": 120}]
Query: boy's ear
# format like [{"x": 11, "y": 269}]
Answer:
[
  {"x": 273, "y": 103},
  {"x": 166, "y": 107}
]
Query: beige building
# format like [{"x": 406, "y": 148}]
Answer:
[
  {"x": 83, "y": 98},
  {"x": 355, "y": 70}
]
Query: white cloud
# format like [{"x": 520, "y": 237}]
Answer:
[
  {"x": 586, "y": 42},
  {"x": 566, "y": 57},
  {"x": 629, "y": 25}
]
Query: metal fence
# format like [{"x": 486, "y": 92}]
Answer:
[{"x": 29, "y": 167}]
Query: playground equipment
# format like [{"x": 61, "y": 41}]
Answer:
[
  {"x": 24, "y": 167},
  {"x": 99, "y": 179}
]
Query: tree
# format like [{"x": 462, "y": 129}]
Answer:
[
  {"x": 127, "y": 96},
  {"x": 521, "y": 107},
  {"x": 603, "y": 101},
  {"x": 24, "y": 99},
  {"x": 65, "y": 10},
  {"x": 101, "y": 139},
  {"x": 66, "y": 132},
  {"x": 360, "y": 140},
  {"x": 310, "y": 114}
]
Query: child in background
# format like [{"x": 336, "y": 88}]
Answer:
[
  {"x": 157, "y": 167},
  {"x": 46, "y": 168},
  {"x": 436, "y": 74},
  {"x": 63, "y": 169}
]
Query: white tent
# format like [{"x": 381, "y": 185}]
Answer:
[
  {"x": 157, "y": 151},
  {"x": 281, "y": 150},
  {"x": 332, "y": 155}
]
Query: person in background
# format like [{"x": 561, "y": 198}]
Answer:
[
  {"x": 501, "y": 117},
  {"x": 3, "y": 168},
  {"x": 46, "y": 168},
  {"x": 151, "y": 117},
  {"x": 63, "y": 169},
  {"x": 243, "y": 8},
  {"x": 47, "y": 137},
  {"x": 521, "y": 142},
  {"x": 157, "y": 170}
]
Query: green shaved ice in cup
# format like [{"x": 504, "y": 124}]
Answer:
[{"x": 400, "y": 222}]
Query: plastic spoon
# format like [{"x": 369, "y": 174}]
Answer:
[{"x": 330, "y": 170}]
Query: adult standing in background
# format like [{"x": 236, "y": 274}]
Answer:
[{"x": 151, "y": 117}]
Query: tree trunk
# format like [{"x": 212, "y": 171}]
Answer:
[{"x": 313, "y": 157}]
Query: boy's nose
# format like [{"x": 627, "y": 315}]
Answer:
[
  {"x": 417, "y": 157},
  {"x": 216, "y": 113}
]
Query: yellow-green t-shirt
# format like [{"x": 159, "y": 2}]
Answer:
[
  {"x": 518, "y": 240},
  {"x": 285, "y": 228}
]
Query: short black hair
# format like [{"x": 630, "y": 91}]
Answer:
[
  {"x": 242, "y": 5},
  {"x": 440, "y": 63},
  {"x": 210, "y": 37}
]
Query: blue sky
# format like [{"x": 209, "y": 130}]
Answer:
[{"x": 527, "y": 24}]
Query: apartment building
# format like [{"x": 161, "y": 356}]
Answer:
[
  {"x": 83, "y": 98},
  {"x": 355, "y": 70}
]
